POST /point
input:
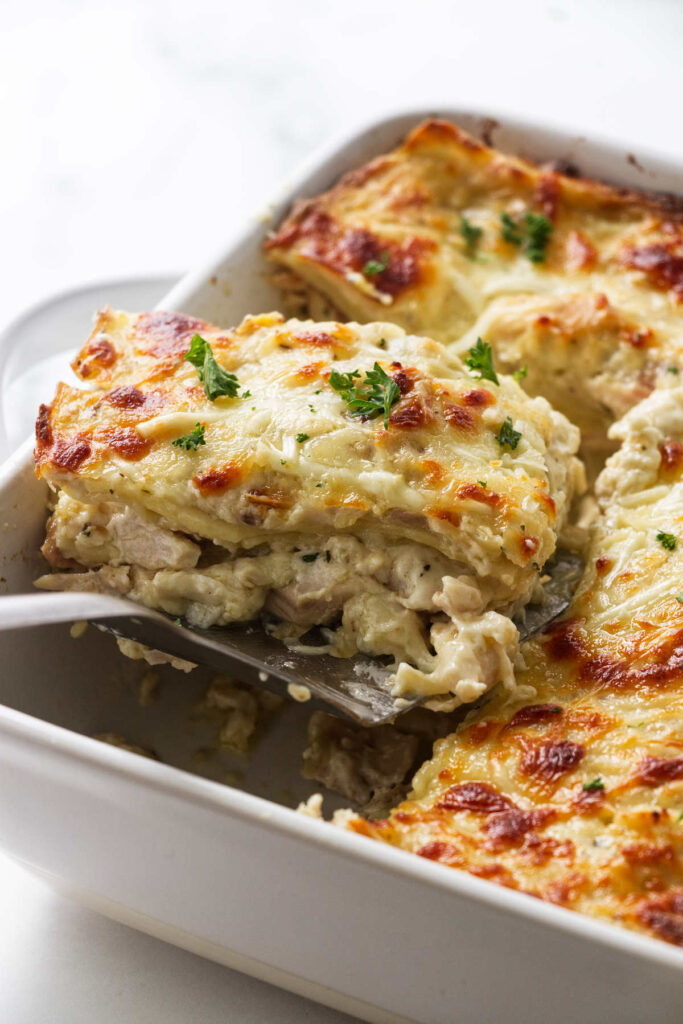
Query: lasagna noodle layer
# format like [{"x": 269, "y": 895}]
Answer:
[
  {"x": 415, "y": 536},
  {"x": 594, "y": 314},
  {"x": 577, "y": 796}
]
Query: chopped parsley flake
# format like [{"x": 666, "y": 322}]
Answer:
[
  {"x": 539, "y": 230},
  {"x": 246, "y": 394},
  {"x": 369, "y": 397},
  {"x": 310, "y": 558},
  {"x": 480, "y": 361},
  {"x": 672, "y": 369},
  {"x": 521, "y": 373},
  {"x": 178, "y": 622},
  {"x": 217, "y": 382},
  {"x": 507, "y": 435},
  {"x": 510, "y": 230},
  {"x": 533, "y": 233},
  {"x": 680, "y": 817},
  {"x": 482, "y": 483},
  {"x": 383, "y": 343},
  {"x": 318, "y": 485},
  {"x": 471, "y": 233},
  {"x": 589, "y": 787},
  {"x": 374, "y": 267},
  {"x": 190, "y": 442},
  {"x": 667, "y": 540},
  {"x": 679, "y": 597},
  {"x": 301, "y": 438}
]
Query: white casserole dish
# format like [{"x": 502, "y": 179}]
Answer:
[{"x": 234, "y": 876}]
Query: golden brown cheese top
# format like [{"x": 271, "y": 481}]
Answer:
[
  {"x": 576, "y": 793},
  {"x": 595, "y": 311},
  {"x": 286, "y": 455}
]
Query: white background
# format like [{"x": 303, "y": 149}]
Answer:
[{"x": 132, "y": 135}]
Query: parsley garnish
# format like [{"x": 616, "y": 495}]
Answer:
[
  {"x": 480, "y": 360},
  {"x": 667, "y": 540},
  {"x": 371, "y": 396},
  {"x": 471, "y": 233},
  {"x": 539, "y": 229},
  {"x": 533, "y": 233},
  {"x": 482, "y": 483},
  {"x": 190, "y": 442},
  {"x": 510, "y": 230},
  {"x": 373, "y": 267},
  {"x": 246, "y": 394},
  {"x": 672, "y": 369},
  {"x": 301, "y": 438},
  {"x": 216, "y": 380},
  {"x": 507, "y": 435},
  {"x": 594, "y": 784},
  {"x": 521, "y": 373},
  {"x": 679, "y": 598},
  {"x": 310, "y": 558}
]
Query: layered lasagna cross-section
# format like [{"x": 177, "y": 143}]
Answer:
[{"x": 350, "y": 479}]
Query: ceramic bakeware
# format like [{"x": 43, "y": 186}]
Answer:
[{"x": 205, "y": 851}]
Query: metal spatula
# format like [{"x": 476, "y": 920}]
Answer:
[{"x": 352, "y": 686}]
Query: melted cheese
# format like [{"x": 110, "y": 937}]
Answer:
[
  {"x": 296, "y": 506},
  {"x": 597, "y": 321},
  {"x": 577, "y": 796}
]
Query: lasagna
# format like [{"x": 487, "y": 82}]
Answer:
[
  {"x": 577, "y": 281},
  {"x": 353, "y": 480},
  {"x": 576, "y": 796}
]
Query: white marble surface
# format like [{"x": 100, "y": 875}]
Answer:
[{"x": 133, "y": 134}]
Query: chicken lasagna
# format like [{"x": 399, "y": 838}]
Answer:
[
  {"x": 351, "y": 478},
  {"x": 576, "y": 281}
]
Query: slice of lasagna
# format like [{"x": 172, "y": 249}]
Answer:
[
  {"x": 447, "y": 237},
  {"x": 577, "y": 796},
  {"x": 350, "y": 478}
]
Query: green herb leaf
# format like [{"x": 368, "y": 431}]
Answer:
[
  {"x": 246, "y": 394},
  {"x": 533, "y": 233},
  {"x": 589, "y": 787},
  {"x": 507, "y": 435},
  {"x": 667, "y": 540},
  {"x": 539, "y": 229},
  {"x": 301, "y": 438},
  {"x": 369, "y": 397},
  {"x": 374, "y": 267},
  {"x": 521, "y": 373},
  {"x": 680, "y": 817},
  {"x": 190, "y": 442},
  {"x": 679, "y": 597},
  {"x": 482, "y": 483},
  {"x": 480, "y": 361},
  {"x": 510, "y": 230},
  {"x": 310, "y": 558},
  {"x": 217, "y": 381},
  {"x": 672, "y": 369},
  {"x": 471, "y": 233}
]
